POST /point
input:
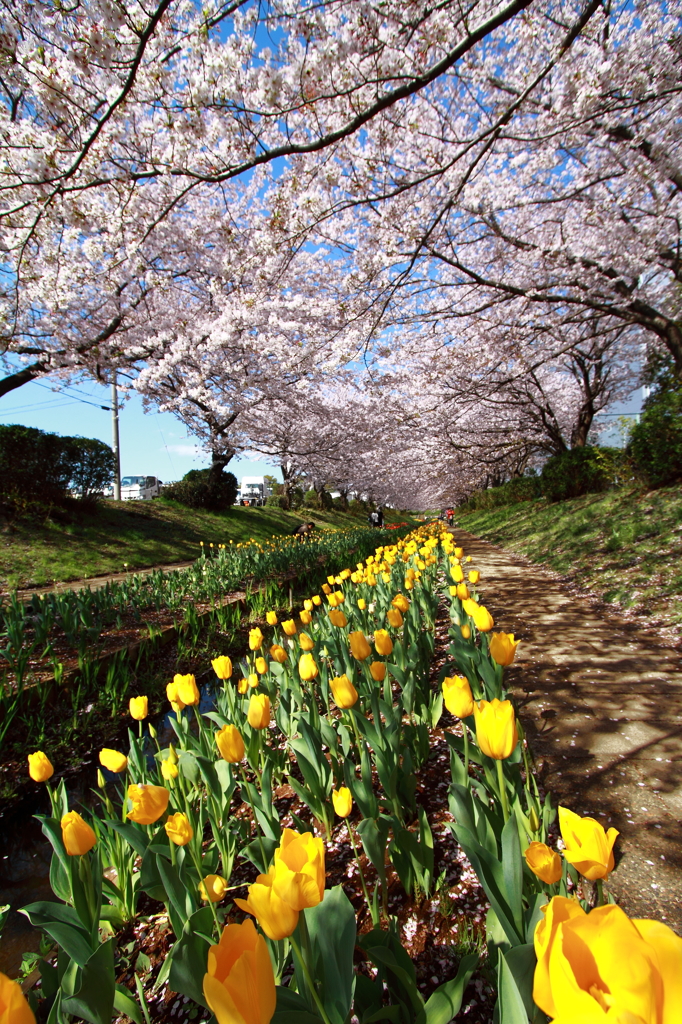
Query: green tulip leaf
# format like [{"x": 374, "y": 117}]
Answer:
[
  {"x": 94, "y": 999},
  {"x": 189, "y": 956},
  {"x": 332, "y": 929},
  {"x": 446, "y": 1001},
  {"x": 510, "y": 1005},
  {"x": 124, "y": 1003},
  {"x": 64, "y": 926}
]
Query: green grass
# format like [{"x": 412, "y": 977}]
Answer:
[
  {"x": 625, "y": 546},
  {"x": 138, "y": 534}
]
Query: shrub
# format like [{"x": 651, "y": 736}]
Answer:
[
  {"x": 522, "y": 488},
  {"x": 93, "y": 465},
  {"x": 276, "y": 501},
  {"x": 579, "y": 471},
  {"x": 311, "y": 499},
  {"x": 656, "y": 441},
  {"x": 198, "y": 490},
  {"x": 44, "y": 467},
  {"x": 357, "y": 506}
]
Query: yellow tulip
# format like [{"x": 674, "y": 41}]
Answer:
[
  {"x": 496, "y": 731},
  {"x": 169, "y": 770},
  {"x": 289, "y": 627},
  {"x": 187, "y": 690},
  {"x": 14, "y": 1008},
  {"x": 308, "y": 605},
  {"x": 462, "y": 591},
  {"x": 271, "y": 618},
  {"x": 395, "y": 618},
  {"x": 259, "y": 711},
  {"x": 502, "y": 648},
  {"x": 470, "y": 606},
  {"x": 139, "y": 708},
  {"x": 316, "y": 599},
  {"x": 305, "y": 642},
  {"x": 306, "y": 618},
  {"x": 400, "y": 602},
  {"x": 299, "y": 874},
  {"x": 326, "y": 589},
  {"x": 371, "y": 580},
  {"x": 359, "y": 647},
  {"x": 544, "y": 863},
  {"x": 337, "y": 617},
  {"x": 277, "y": 919},
  {"x": 603, "y": 966},
  {"x": 261, "y": 666},
  {"x": 343, "y": 801},
  {"x": 457, "y": 696},
  {"x": 465, "y": 630},
  {"x": 382, "y": 643},
  {"x": 77, "y": 835},
  {"x": 378, "y": 671},
  {"x": 457, "y": 574},
  {"x": 344, "y": 693},
  {"x": 474, "y": 575},
  {"x": 174, "y": 697},
  {"x": 112, "y": 760},
  {"x": 458, "y": 552},
  {"x": 278, "y": 654},
  {"x": 239, "y": 986},
  {"x": 409, "y": 584},
  {"x": 40, "y": 767},
  {"x": 362, "y": 604},
  {"x": 149, "y": 803},
  {"x": 331, "y": 579},
  {"x": 222, "y": 667},
  {"x": 483, "y": 619},
  {"x": 255, "y": 639},
  {"x": 307, "y": 669},
  {"x": 213, "y": 888},
  {"x": 588, "y": 847},
  {"x": 242, "y": 686},
  {"x": 178, "y": 829},
  {"x": 230, "y": 744},
  {"x": 333, "y": 600}
]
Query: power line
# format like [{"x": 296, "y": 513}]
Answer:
[{"x": 74, "y": 396}]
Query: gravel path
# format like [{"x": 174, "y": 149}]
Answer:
[{"x": 601, "y": 701}]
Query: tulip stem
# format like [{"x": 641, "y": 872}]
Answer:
[
  {"x": 309, "y": 981},
  {"x": 600, "y": 892},
  {"x": 466, "y": 752},
  {"x": 360, "y": 872},
  {"x": 503, "y": 790}
]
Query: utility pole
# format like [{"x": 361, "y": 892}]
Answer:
[{"x": 115, "y": 441}]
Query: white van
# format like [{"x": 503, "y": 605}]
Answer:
[{"x": 140, "y": 488}]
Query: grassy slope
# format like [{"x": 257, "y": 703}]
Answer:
[
  {"x": 625, "y": 546},
  {"x": 139, "y": 534}
]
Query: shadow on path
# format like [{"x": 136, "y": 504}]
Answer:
[{"x": 601, "y": 702}]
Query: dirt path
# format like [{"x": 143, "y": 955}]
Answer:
[
  {"x": 96, "y": 582},
  {"x": 601, "y": 701}
]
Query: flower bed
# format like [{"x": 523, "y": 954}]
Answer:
[{"x": 311, "y": 802}]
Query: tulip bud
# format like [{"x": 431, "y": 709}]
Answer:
[
  {"x": 378, "y": 671},
  {"x": 152, "y": 731},
  {"x": 307, "y": 668},
  {"x": 255, "y": 639},
  {"x": 259, "y": 711},
  {"x": 39, "y": 767},
  {"x": 101, "y": 782},
  {"x": 139, "y": 708},
  {"x": 178, "y": 829},
  {"x": 343, "y": 801},
  {"x": 533, "y": 819},
  {"x": 359, "y": 647},
  {"x": 344, "y": 693},
  {"x": 77, "y": 836},
  {"x": 222, "y": 667},
  {"x": 465, "y": 630}
]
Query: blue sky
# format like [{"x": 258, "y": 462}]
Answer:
[{"x": 152, "y": 444}]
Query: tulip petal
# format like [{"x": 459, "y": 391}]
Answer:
[{"x": 666, "y": 954}]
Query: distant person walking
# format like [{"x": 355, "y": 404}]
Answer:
[
  {"x": 450, "y": 516},
  {"x": 373, "y": 518},
  {"x": 380, "y": 518}
]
